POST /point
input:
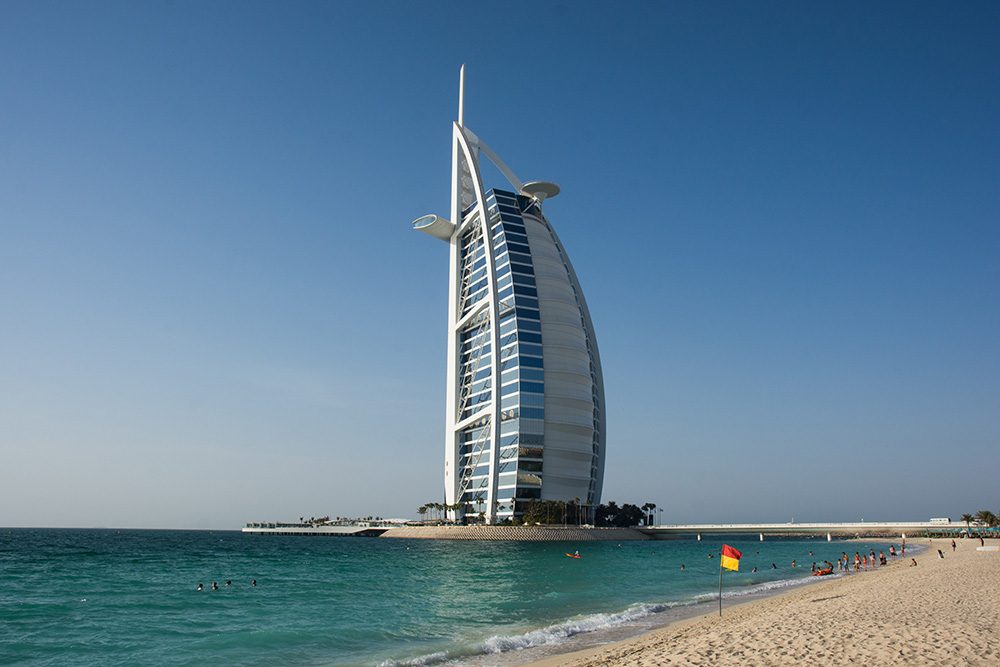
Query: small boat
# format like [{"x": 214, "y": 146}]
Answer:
[
  {"x": 573, "y": 556},
  {"x": 823, "y": 573}
]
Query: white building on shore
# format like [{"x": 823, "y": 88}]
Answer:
[{"x": 525, "y": 416}]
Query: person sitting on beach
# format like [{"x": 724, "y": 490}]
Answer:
[
  {"x": 940, "y": 554},
  {"x": 881, "y": 558},
  {"x": 913, "y": 562}
]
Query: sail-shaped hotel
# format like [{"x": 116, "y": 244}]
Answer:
[{"x": 524, "y": 413}]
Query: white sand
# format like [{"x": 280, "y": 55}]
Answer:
[{"x": 942, "y": 612}]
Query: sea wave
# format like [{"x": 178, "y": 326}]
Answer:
[
  {"x": 420, "y": 661},
  {"x": 564, "y": 630},
  {"x": 559, "y": 632}
]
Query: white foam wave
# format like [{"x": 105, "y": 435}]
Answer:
[
  {"x": 561, "y": 631},
  {"x": 763, "y": 588},
  {"x": 420, "y": 661}
]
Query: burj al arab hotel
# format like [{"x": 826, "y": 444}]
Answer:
[{"x": 524, "y": 417}]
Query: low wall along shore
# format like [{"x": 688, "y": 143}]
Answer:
[{"x": 517, "y": 533}]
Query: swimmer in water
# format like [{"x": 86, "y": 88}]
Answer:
[
  {"x": 229, "y": 582},
  {"x": 682, "y": 566},
  {"x": 253, "y": 582},
  {"x": 201, "y": 587},
  {"x": 773, "y": 566},
  {"x": 753, "y": 570},
  {"x": 215, "y": 586}
]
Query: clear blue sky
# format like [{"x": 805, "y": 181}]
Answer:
[{"x": 212, "y": 309}]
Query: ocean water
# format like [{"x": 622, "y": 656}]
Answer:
[{"x": 128, "y": 597}]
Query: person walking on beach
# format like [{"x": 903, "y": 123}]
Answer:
[
  {"x": 871, "y": 558},
  {"x": 953, "y": 546},
  {"x": 857, "y": 561}
]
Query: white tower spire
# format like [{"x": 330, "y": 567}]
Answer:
[{"x": 461, "y": 95}]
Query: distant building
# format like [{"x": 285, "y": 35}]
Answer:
[{"x": 525, "y": 412}]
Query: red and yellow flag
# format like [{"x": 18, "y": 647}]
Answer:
[{"x": 730, "y": 557}]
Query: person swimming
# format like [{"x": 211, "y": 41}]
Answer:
[
  {"x": 229, "y": 582},
  {"x": 253, "y": 582},
  {"x": 753, "y": 570},
  {"x": 215, "y": 586},
  {"x": 682, "y": 566},
  {"x": 773, "y": 566},
  {"x": 201, "y": 587}
]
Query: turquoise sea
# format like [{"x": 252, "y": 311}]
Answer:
[{"x": 128, "y": 597}]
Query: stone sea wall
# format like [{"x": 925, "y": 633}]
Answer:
[{"x": 516, "y": 533}]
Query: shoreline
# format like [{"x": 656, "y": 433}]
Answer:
[
  {"x": 944, "y": 610},
  {"x": 642, "y": 618}
]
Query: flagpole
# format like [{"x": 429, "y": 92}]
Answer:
[{"x": 720, "y": 583}]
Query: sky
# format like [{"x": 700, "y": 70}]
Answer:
[{"x": 213, "y": 309}]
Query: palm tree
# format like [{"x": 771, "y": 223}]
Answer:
[
  {"x": 422, "y": 510},
  {"x": 968, "y": 519},
  {"x": 648, "y": 508},
  {"x": 986, "y": 517}
]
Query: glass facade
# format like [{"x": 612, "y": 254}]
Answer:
[{"x": 525, "y": 392}]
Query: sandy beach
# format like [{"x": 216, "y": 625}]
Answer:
[{"x": 943, "y": 611}]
